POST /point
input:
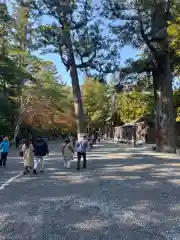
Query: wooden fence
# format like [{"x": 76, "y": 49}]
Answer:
[{"x": 135, "y": 134}]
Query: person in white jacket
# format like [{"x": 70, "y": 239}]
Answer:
[
  {"x": 67, "y": 153},
  {"x": 28, "y": 156},
  {"x": 81, "y": 148}
]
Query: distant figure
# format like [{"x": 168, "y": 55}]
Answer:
[
  {"x": 81, "y": 148},
  {"x": 67, "y": 153},
  {"x": 99, "y": 136},
  {"x": 28, "y": 155},
  {"x": 17, "y": 141},
  {"x": 90, "y": 142},
  {"x": 40, "y": 151},
  {"x": 1, "y": 138},
  {"x": 4, "y": 147},
  {"x": 94, "y": 139}
]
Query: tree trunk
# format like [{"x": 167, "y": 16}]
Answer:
[
  {"x": 18, "y": 124},
  {"x": 22, "y": 111},
  {"x": 165, "y": 115},
  {"x": 78, "y": 104},
  {"x": 23, "y": 21},
  {"x": 162, "y": 80}
]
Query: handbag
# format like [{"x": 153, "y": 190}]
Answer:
[{"x": 21, "y": 153}]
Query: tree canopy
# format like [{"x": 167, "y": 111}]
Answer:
[
  {"x": 96, "y": 102},
  {"x": 33, "y": 93},
  {"x": 30, "y": 87}
]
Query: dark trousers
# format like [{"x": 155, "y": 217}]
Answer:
[
  {"x": 3, "y": 159},
  {"x": 26, "y": 169},
  {"x": 79, "y": 155}
]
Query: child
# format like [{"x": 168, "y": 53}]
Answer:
[
  {"x": 67, "y": 153},
  {"x": 4, "y": 146}
]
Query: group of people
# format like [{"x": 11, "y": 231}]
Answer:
[
  {"x": 68, "y": 151},
  {"x": 33, "y": 153}
]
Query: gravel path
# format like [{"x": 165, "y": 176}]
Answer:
[{"x": 123, "y": 194}]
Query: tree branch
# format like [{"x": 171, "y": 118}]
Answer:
[
  {"x": 138, "y": 67},
  {"x": 87, "y": 63},
  {"x": 143, "y": 35},
  {"x": 63, "y": 59}
]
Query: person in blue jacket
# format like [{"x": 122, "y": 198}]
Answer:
[{"x": 4, "y": 147}]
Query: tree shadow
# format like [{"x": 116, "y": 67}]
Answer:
[{"x": 125, "y": 195}]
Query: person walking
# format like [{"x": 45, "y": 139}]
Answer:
[
  {"x": 67, "y": 153},
  {"x": 1, "y": 138},
  {"x": 4, "y": 147},
  {"x": 40, "y": 151},
  {"x": 28, "y": 156},
  {"x": 17, "y": 140},
  {"x": 81, "y": 148}
]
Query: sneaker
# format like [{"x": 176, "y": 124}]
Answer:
[
  {"x": 78, "y": 169},
  {"x": 41, "y": 171}
]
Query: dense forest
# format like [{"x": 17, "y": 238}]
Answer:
[{"x": 34, "y": 96}]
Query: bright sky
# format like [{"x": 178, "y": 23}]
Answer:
[{"x": 126, "y": 52}]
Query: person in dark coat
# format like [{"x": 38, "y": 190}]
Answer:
[
  {"x": 1, "y": 138},
  {"x": 40, "y": 151},
  {"x": 17, "y": 141}
]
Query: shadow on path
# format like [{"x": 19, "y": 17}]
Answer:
[{"x": 121, "y": 195}]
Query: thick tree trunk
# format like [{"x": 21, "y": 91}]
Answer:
[
  {"x": 165, "y": 115},
  {"x": 162, "y": 78},
  {"x": 78, "y": 103}
]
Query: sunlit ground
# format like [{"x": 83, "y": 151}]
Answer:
[{"x": 123, "y": 194}]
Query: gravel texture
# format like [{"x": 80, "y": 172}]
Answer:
[{"x": 124, "y": 193}]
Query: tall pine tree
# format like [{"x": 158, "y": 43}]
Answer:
[{"x": 77, "y": 38}]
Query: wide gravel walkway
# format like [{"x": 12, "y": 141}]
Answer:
[{"x": 124, "y": 193}]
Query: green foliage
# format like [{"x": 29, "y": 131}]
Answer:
[
  {"x": 174, "y": 34},
  {"x": 140, "y": 24},
  {"x": 74, "y": 32},
  {"x": 131, "y": 105},
  {"x": 27, "y": 82},
  {"x": 174, "y": 28},
  {"x": 96, "y": 102},
  {"x": 177, "y": 103},
  {"x": 74, "y": 29}
]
